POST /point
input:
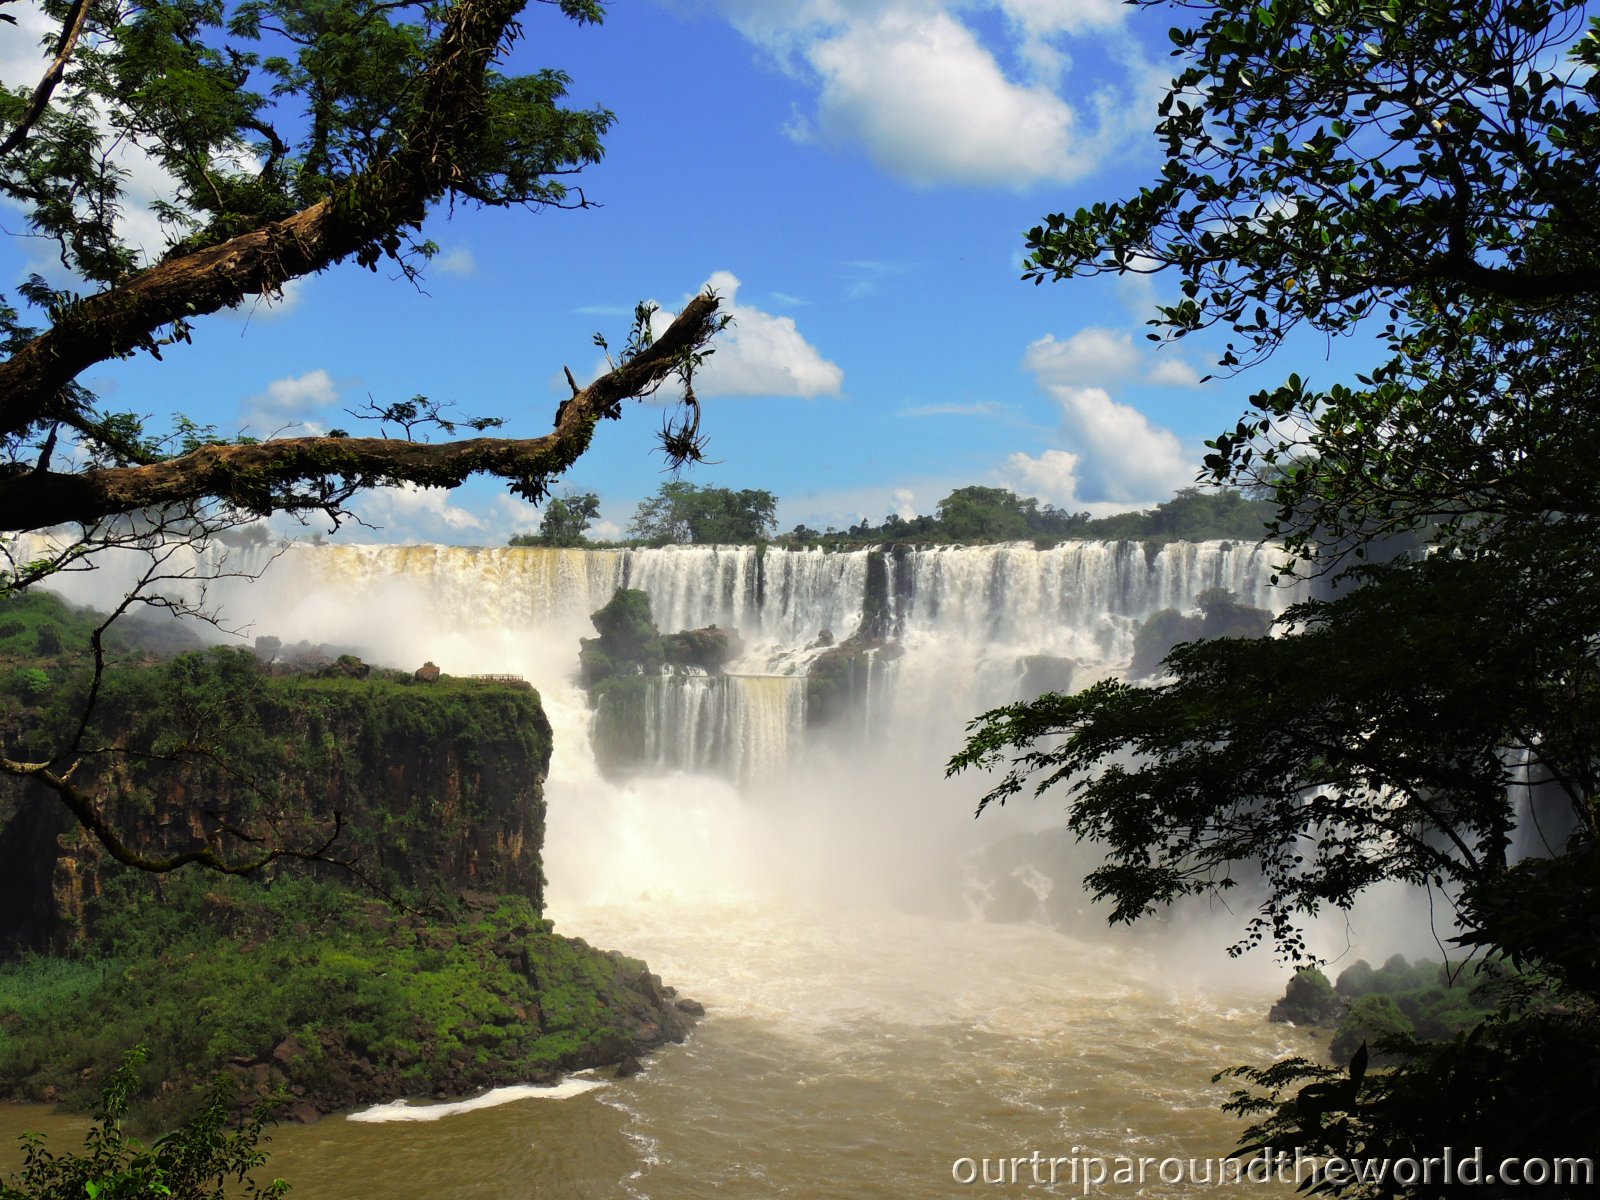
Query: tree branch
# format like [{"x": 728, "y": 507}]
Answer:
[
  {"x": 83, "y": 809},
  {"x": 255, "y": 477},
  {"x": 391, "y": 193},
  {"x": 71, "y": 30}
]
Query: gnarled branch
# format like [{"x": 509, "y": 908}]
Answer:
[
  {"x": 258, "y": 477},
  {"x": 391, "y": 193}
]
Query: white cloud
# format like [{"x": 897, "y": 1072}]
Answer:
[
  {"x": 1046, "y": 18},
  {"x": 458, "y": 261},
  {"x": 926, "y": 99},
  {"x": 1052, "y": 476},
  {"x": 1123, "y": 457},
  {"x": 1090, "y": 356},
  {"x": 409, "y": 513},
  {"x": 904, "y": 503},
  {"x": 1112, "y": 456},
  {"x": 288, "y": 403},
  {"x": 1173, "y": 372},
  {"x": 912, "y": 83},
  {"x": 1099, "y": 357},
  {"x": 296, "y": 393},
  {"x": 759, "y": 354}
]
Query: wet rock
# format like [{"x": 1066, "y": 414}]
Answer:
[
  {"x": 628, "y": 1067},
  {"x": 691, "y": 1008},
  {"x": 288, "y": 1050},
  {"x": 426, "y": 673}
]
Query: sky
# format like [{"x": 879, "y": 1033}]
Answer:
[{"x": 855, "y": 179}]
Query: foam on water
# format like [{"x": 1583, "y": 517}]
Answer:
[{"x": 405, "y": 1110}]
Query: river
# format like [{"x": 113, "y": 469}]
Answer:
[{"x": 869, "y": 1032}]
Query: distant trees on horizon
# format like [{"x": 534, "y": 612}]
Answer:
[{"x": 686, "y": 514}]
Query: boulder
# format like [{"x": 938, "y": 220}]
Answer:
[{"x": 427, "y": 673}]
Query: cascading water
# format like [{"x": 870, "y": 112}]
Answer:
[{"x": 804, "y": 880}]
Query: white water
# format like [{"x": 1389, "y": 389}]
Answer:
[{"x": 864, "y": 1030}]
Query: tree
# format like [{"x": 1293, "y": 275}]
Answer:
[
  {"x": 296, "y": 138},
  {"x": 984, "y": 514},
  {"x": 195, "y": 1162},
  {"x": 681, "y": 513},
  {"x": 1430, "y": 168},
  {"x": 565, "y": 520}
]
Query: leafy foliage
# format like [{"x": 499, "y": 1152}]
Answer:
[
  {"x": 976, "y": 515},
  {"x": 682, "y": 513},
  {"x": 194, "y": 1162},
  {"x": 566, "y": 518},
  {"x": 215, "y": 972},
  {"x": 1431, "y": 167}
]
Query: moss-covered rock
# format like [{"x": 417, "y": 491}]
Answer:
[
  {"x": 710, "y": 649},
  {"x": 622, "y": 667},
  {"x": 335, "y": 997},
  {"x": 1431, "y": 1001},
  {"x": 1308, "y": 1000},
  {"x": 837, "y": 680},
  {"x": 1370, "y": 1020}
]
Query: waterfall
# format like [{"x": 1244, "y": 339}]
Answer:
[
  {"x": 942, "y": 633},
  {"x": 745, "y": 726}
]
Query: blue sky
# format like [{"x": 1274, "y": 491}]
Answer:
[{"x": 855, "y": 176}]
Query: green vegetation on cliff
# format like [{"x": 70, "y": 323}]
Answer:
[
  {"x": 316, "y": 989},
  {"x": 429, "y": 785},
  {"x": 298, "y": 977},
  {"x": 1392, "y": 1006}
]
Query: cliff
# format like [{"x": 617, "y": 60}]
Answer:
[
  {"x": 434, "y": 787},
  {"x": 302, "y": 979}
]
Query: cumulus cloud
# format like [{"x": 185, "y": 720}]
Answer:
[
  {"x": 298, "y": 392},
  {"x": 760, "y": 354},
  {"x": 1170, "y": 371},
  {"x": 913, "y": 84},
  {"x": 1093, "y": 355},
  {"x": 409, "y": 513},
  {"x": 1123, "y": 458},
  {"x": 1051, "y": 476},
  {"x": 290, "y": 401},
  {"x": 924, "y": 98},
  {"x": 1112, "y": 456},
  {"x": 1099, "y": 357}
]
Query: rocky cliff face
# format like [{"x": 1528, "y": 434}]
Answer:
[
  {"x": 432, "y": 788},
  {"x": 298, "y": 978}
]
